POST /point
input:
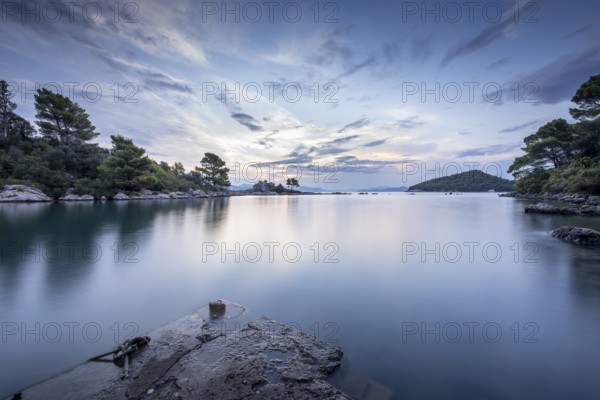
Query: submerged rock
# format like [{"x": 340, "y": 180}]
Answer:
[
  {"x": 22, "y": 193},
  {"x": 576, "y": 235}
]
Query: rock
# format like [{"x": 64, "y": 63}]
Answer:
[
  {"x": 576, "y": 235},
  {"x": 199, "y": 193},
  {"x": 162, "y": 196},
  {"x": 593, "y": 200},
  {"x": 22, "y": 193},
  {"x": 589, "y": 210},
  {"x": 103, "y": 198},
  {"x": 74, "y": 197},
  {"x": 120, "y": 196},
  {"x": 542, "y": 208},
  {"x": 179, "y": 195},
  {"x": 269, "y": 360}
]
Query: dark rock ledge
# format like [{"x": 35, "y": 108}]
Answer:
[{"x": 579, "y": 236}]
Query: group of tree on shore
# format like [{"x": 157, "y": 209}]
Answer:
[
  {"x": 59, "y": 155},
  {"x": 562, "y": 157}
]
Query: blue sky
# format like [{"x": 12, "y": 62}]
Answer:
[{"x": 374, "y": 93}]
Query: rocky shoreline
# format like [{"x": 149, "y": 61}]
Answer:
[
  {"x": 585, "y": 205},
  {"x": 26, "y": 194},
  {"x": 580, "y": 236}
]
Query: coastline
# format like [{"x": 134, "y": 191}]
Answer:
[{"x": 19, "y": 193}]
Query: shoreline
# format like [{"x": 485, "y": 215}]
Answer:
[{"x": 19, "y": 193}]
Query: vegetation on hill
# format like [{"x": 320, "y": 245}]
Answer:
[
  {"x": 60, "y": 156},
  {"x": 469, "y": 181},
  {"x": 562, "y": 157}
]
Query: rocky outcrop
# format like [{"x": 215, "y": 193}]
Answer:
[
  {"x": 544, "y": 208},
  {"x": 199, "y": 357},
  {"x": 120, "y": 196},
  {"x": 22, "y": 194},
  {"x": 74, "y": 197},
  {"x": 148, "y": 195},
  {"x": 575, "y": 198},
  {"x": 576, "y": 235}
]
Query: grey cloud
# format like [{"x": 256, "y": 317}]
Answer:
[
  {"x": 375, "y": 143},
  {"x": 497, "y": 64},
  {"x": 355, "y": 125},
  {"x": 486, "y": 37},
  {"x": 488, "y": 151},
  {"x": 559, "y": 80},
  {"x": 248, "y": 121},
  {"x": 519, "y": 127}
]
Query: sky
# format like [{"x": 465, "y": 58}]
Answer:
[{"x": 342, "y": 94}]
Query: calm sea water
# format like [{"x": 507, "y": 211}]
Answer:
[{"x": 433, "y": 296}]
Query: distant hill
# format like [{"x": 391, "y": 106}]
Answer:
[
  {"x": 470, "y": 181},
  {"x": 383, "y": 189}
]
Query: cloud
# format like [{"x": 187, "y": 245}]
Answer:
[
  {"x": 488, "y": 151},
  {"x": 351, "y": 70},
  {"x": 485, "y": 38},
  {"x": 330, "y": 51},
  {"x": 421, "y": 46},
  {"x": 355, "y": 125},
  {"x": 583, "y": 29},
  {"x": 375, "y": 143},
  {"x": 248, "y": 121},
  {"x": 559, "y": 80},
  {"x": 158, "y": 80},
  {"x": 352, "y": 164},
  {"x": 408, "y": 123},
  {"x": 519, "y": 127},
  {"x": 497, "y": 64}
]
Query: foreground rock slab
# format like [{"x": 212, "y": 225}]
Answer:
[
  {"x": 22, "y": 194},
  {"x": 199, "y": 357},
  {"x": 576, "y": 235}
]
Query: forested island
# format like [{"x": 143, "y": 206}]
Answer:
[
  {"x": 562, "y": 157},
  {"x": 469, "y": 181},
  {"x": 59, "y": 158}
]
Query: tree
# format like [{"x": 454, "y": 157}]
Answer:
[
  {"x": 291, "y": 183},
  {"x": 563, "y": 157},
  {"x": 62, "y": 120},
  {"x": 213, "y": 169},
  {"x": 178, "y": 169},
  {"x": 127, "y": 167},
  {"x": 587, "y": 98},
  {"x": 6, "y": 109}
]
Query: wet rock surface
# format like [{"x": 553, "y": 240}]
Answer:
[
  {"x": 22, "y": 193},
  {"x": 195, "y": 358},
  {"x": 577, "y": 235}
]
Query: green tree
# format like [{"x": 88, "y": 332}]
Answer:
[
  {"x": 213, "y": 169},
  {"x": 178, "y": 169},
  {"x": 291, "y": 183},
  {"x": 62, "y": 120},
  {"x": 127, "y": 167},
  {"x": 587, "y": 98},
  {"x": 6, "y": 109}
]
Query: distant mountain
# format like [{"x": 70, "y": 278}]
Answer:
[
  {"x": 470, "y": 181},
  {"x": 383, "y": 189}
]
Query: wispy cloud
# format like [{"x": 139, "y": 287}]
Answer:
[{"x": 248, "y": 121}]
